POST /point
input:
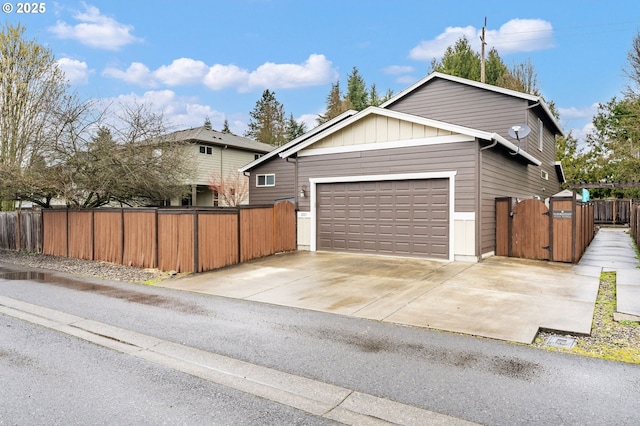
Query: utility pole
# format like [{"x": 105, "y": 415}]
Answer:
[{"x": 482, "y": 74}]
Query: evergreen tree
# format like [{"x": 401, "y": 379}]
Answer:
[
  {"x": 357, "y": 96},
  {"x": 267, "y": 123},
  {"x": 459, "y": 60},
  {"x": 294, "y": 129},
  {"x": 335, "y": 104},
  {"x": 225, "y": 127},
  {"x": 207, "y": 123}
]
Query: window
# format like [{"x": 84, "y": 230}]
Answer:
[
  {"x": 266, "y": 180},
  {"x": 256, "y": 156},
  {"x": 540, "y": 134},
  {"x": 202, "y": 149},
  {"x": 544, "y": 175},
  {"x": 206, "y": 150}
]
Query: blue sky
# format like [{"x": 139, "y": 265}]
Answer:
[{"x": 194, "y": 59}]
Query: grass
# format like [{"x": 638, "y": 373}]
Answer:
[{"x": 609, "y": 339}]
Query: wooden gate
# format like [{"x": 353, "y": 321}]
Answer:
[{"x": 528, "y": 229}]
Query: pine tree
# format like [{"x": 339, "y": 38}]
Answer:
[
  {"x": 267, "y": 123},
  {"x": 294, "y": 129},
  {"x": 335, "y": 104},
  {"x": 225, "y": 127},
  {"x": 357, "y": 95}
]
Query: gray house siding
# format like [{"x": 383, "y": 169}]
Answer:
[
  {"x": 285, "y": 180},
  {"x": 460, "y": 157},
  {"x": 464, "y": 105}
]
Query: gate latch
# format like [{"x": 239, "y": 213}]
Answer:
[{"x": 546, "y": 248}]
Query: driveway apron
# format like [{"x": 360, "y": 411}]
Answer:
[{"x": 501, "y": 298}]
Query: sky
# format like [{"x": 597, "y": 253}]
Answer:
[{"x": 199, "y": 59}]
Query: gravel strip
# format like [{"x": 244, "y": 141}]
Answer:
[{"x": 87, "y": 268}]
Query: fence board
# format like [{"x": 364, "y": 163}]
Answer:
[
  {"x": 54, "y": 231},
  {"x": 140, "y": 239},
  {"x": 217, "y": 241},
  {"x": 285, "y": 227},
  {"x": 108, "y": 236},
  {"x": 80, "y": 234},
  {"x": 31, "y": 231},
  {"x": 256, "y": 233},
  {"x": 8, "y": 227},
  {"x": 503, "y": 220},
  {"x": 176, "y": 241}
]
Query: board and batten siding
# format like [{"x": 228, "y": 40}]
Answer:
[
  {"x": 285, "y": 186},
  {"x": 459, "y": 157}
]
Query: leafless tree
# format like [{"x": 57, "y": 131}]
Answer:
[{"x": 232, "y": 189}]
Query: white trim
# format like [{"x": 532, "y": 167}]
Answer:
[
  {"x": 266, "y": 184},
  {"x": 464, "y": 216},
  {"x": 406, "y": 143},
  {"x": 388, "y": 177}
]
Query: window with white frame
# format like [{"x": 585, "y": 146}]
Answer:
[
  {"x": 540, "y": 134},
  {"x": 266, "y": 180},
  {"x": 206, "y": 150}
]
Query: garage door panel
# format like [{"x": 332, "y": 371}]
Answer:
[{"x": 408, "y": 217}]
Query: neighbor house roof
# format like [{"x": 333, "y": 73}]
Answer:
[
  {"x": 299, "y": 139},
  {"x": 454, "y": 128},
  {"x": 202, "y": 135},
  {"x": 435, "y": 75}
]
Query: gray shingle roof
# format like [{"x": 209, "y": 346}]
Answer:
[{"x": 204, "y": 136}]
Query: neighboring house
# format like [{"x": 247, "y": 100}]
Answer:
[
  {"x": 417, "y": 176},
  {"x": 215, "y": 152}
]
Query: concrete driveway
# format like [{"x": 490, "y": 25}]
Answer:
[{"x": 501, "y": 298}]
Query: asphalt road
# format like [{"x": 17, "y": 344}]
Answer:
[{"x": 480, "y": 380}]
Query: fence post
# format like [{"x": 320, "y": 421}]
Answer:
[
  {"x": 195, "y": 241},
  {"x": 551, "y": 258},
  {"x": 574, "y": 225}
]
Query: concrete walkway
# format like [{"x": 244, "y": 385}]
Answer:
[{"x": 612, "y": 250}]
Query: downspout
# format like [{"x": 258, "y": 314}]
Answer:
[
  {"x": 295, "y": 179},
  {"x": 479, "y": 201}
]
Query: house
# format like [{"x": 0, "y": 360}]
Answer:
[
  {"x": 417, "y": 176},
  {"x": 215, "y": 152}
]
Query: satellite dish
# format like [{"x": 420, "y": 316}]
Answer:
[{"x": 519, "y": 131}]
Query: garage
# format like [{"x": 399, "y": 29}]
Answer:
[{"x": 392, "y": 217}]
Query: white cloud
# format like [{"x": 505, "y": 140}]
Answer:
[
  {"x": 517, "y": 35},
  {"x": 398, "y": 69},
  {"x": 137, "y": 73},
  {"x": 521, "y": 35},
  {"x": 95, "y": 30},
  {"x": 430, "y": 49},
  {"x": 178, "y": 111},
  {"x": 76, "y": 72},
  {"x": 316, "y": 70},
  {"x": 182, "y": 71},
  {"x": 309, "y": 120},
  {"x": 222, "y": 76},
  {"x": 579, "y": 113}
]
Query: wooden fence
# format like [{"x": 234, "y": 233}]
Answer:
[
  {"x": 612, "y": 211},
  {"x": 635, "y": 221},
  {"x": 529, "y": 229},
  {"x": 182, "y": 240},
  {"x": 21, "y": 230}
]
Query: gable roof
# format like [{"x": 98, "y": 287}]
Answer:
[
  {"x": 299, "y": 139},
  {"x": 453, "y": 128},
  {"x": 435, "y": 75},
  {"x": 204, "y": 136}
]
